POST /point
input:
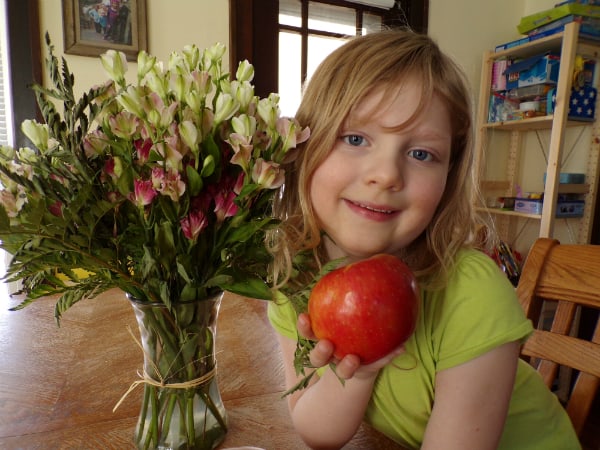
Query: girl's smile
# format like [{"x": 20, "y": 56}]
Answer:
[
  {"x": 381, "y": 184},
  {"x": 378, "y": 213}
]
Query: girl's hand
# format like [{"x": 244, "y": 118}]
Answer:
[{"x": 347, "y": 367}]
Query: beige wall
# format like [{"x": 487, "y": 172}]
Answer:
[
  {"x": 463, "y": 28},
  {"x": 467, "y": 28}
]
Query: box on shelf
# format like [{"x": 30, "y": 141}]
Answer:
[
  {"x": 589, "y": 27},
  {"x": 534, "y": 92},
  {"x": 564, "y": 208},
  {"x": 582, "y": 103},
  {"x": 569, "y": 178},
  {"x": 538, "y": 69},
  {"x": 541, "y": 18},
  {"x": 498, "y": 77},
  {"x": 583, "y": 2}
]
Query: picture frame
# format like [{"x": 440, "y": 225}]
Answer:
[{"x": 91, "y": 27}]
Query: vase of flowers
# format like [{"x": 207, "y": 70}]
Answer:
[
  {"x": 181, "y": 405},
  {"x": 160, "y": 187}
]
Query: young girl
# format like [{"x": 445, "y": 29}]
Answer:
[{"x": 387, "y": 169}]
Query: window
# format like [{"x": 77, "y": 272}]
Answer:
[
  {"x": 21, "y": 65},
  {"x": 286, "y": 39}
]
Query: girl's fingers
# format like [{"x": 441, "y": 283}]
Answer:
[
  {"x": 322, "y": 354},
  {"x": 304, "y": 327},
  {"x": 347, "y": 366}
]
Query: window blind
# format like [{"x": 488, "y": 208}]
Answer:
[
  {"x": 386, "y": 4},
  {"x": 5, "y": 108}
]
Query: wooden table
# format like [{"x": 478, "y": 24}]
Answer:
[{"x": 58, "y": 386}]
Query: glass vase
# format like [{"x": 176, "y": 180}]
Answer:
[{"x": 181, "y": 406}]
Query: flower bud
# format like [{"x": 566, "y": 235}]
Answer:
[
  {"x": 267, "y": 174},
  {"x": 201, "y": 82},
  {"x": 131, "y": 101},
  {"x": 191, "y": 55},
  {"x": 226, "y": 106},
  {"x": 189, "y": 133},
  {"x": 157, "y": 83},
  {"x": 215, "y": 53},
  {"x": 244, "y": 125},
  {"x": 180, "y": 85},
  {"x": 243, "y": 93},
  {"x": 268, "y": 110},
  {"x": 245, "y": 71},
  {"x": 195, "y": 101},
  {"x": 115, "y": 65},
  {"x": 145, "y": 64}
]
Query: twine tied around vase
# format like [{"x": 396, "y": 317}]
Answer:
[{"x": 147, "y": 379}]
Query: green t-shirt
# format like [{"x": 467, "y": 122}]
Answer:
[{"x": 476, "y": 312}]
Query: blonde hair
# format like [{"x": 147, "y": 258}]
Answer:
[{"x": 380, "y": 61}]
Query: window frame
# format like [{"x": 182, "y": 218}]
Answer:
[{"x": 254, "y": 33}]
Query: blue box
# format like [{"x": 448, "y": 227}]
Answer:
[
  {"x": 564, "y": 209},
  {"x": 582, "y": 103},
  {"x": 535, "y": 70}
]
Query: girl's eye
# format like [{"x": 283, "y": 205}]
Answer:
[
  {"x": 354, "y": 139},
  {"x": 421, "y": 155}
]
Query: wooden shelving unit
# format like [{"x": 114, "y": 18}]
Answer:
[{"x": 556, "y": 126}]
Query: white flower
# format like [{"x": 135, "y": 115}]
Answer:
[
  {"x": 245, "y": 71},
  {"x": 115, "y": 65},
  {"x": 226, "y": 106}
]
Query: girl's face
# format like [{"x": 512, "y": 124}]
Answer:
[{"x": 378, "y": 189}]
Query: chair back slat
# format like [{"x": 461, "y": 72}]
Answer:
[
  {"x": 564, "y": 350},
  {"x": 563, "y": 278}
]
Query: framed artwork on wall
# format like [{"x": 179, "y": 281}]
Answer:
[{"x": 91, "y": 27}]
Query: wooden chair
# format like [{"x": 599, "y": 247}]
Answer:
[{"x": 569, "y": 276}]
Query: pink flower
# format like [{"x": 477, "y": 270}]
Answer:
[
  {"x": 170, "y": 154},
  {"x": 168, "y": 183},
  {"x": 239, "y": 184},
  {"x": 193, "y": 224},
  {"x": 143, "y": 192},
  {"x": 292, "y": 134},
  {"x": 123, "y": 124},
  {"x": 172, "y": 186},
  {"x": 9, "y": 203},
  {"x": 142, "y": 146},
  {"x": 114, "y": 168},
  {"x": 158, "y": 175},
  {"x": 242, "y": 147},
  {"x": 95, "y": 143},
  {"x": 267, "y": 174},
  {"x": 56, "y": 209},
  {"x": 224, "y": 205}
]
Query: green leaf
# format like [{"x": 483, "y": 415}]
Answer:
[
  {"x": 250, "y": 287},
  {"x": 165, "y": 244},
  {"x": 195, "y": 182},
  {"x": 208, "y": 166},
  {"x": 4, "y": 220}
]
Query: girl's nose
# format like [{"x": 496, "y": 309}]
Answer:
[{"x": 385, "y": 171}]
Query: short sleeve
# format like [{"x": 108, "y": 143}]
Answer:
[
  {"x": 477, "y": 312},
  {"x": 283, "y": 317}
]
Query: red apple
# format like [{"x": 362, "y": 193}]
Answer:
[{"x": 367, "y": 308}]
